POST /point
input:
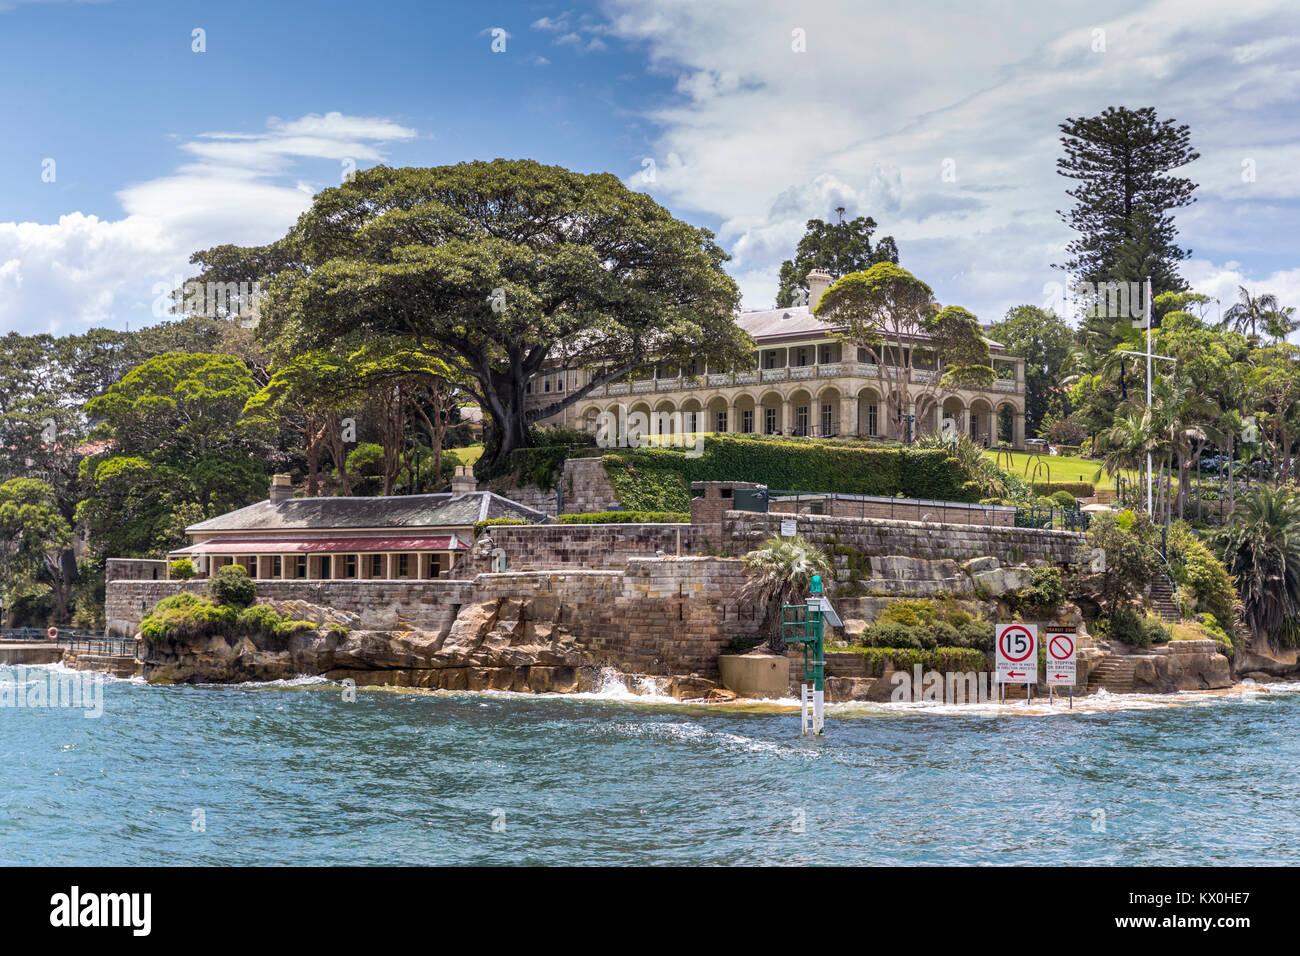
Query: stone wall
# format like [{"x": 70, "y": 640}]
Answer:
[
  {"x": 429, "y": 605},
  {"x": 585, "y": 486},
  {"x": 897, "y": 509},
  {"x": 661, "y": 616},
  {"x": 134, "y": 569},
  {"x": 582, "y": 546},
  {"x": 741, "y": 530}
]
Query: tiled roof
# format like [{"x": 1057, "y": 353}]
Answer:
[
  {"x": 445, "y": 510},
  {"x": 796, "y": 320},
  {"x": 313, "y": 544}
]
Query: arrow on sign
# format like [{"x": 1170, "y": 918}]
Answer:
[
  {"x": 1060, "y": 675},
  {"x": 1014, "y": 674}
]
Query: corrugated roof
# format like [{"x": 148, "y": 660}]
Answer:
[{"x": 444, "y": 510}]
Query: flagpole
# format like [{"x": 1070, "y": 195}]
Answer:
[{"x": 1150, "y": 508}]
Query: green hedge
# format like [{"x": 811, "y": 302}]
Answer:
[
  {"x": 942, "y": 659},
  {"x": 654, "y": 479},
  {"x": 1078, "y": 489},
  {"x": 627, "y": 517},
  {"x": 480, "y": 525}
]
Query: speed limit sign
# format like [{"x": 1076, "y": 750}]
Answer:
[{"x": 1017, "y": 654}]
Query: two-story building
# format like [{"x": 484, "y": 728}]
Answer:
[{"x": 805, "y": 382}]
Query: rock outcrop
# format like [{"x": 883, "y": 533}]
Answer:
[{"x": 509, "y": 644}]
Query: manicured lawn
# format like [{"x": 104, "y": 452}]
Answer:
[
  {"x": 469, "y": 453},
  {"x": 1063, "y": 468}
]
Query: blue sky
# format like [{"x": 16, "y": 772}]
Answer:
[{"x": 159, "y": 150}]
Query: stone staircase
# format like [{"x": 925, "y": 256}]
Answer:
[
  {"x": 1114, "y": 674},
  {"x": 1162, "y": 599}
]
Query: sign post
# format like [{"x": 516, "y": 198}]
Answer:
[
  {"x": 1062, "y": 664},
  {"x": 1017, "y": 656},
  {"x": 803, "y": 624}
]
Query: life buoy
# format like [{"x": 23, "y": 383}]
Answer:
[{"x": 52, "y": 633}]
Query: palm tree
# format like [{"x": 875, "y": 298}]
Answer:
[
  {"x": 1127, "y": 442},
  {"x": 1250, "y": 311},
  {"x": 779, "y": 572},
  {"x": 1280, "y": 323},
  {"x": 1261, "y": 549}
]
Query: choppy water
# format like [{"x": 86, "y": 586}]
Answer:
[{"x": 293, "y": 774}]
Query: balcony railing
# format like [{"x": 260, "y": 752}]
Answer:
[{"x": 681, "y": 383}]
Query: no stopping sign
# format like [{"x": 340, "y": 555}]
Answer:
[{"x": 1061, "y": 660}]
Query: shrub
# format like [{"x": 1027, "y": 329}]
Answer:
[
  {"x": 1202, "y": 577},
  {"x": 479, "y": 526},
  {"x": 1075, "y": 489},
  {"x": 261, "y": 620},
  {"x": 1045, "y": 591},
  {"x": 187, "y": 616},
  {"x": 941, "y": 659},
  {"x": 231, "y": 585},
  {"x": 1063, "y": 499},
  {"x": 922, "y": 625},
  {"x": 627, "y": 517},
  {"x": 1136, "y": 630},
  {"x": 182, "y": 569}
]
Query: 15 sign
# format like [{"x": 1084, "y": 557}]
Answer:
[{"x": 1017, "y": 654}]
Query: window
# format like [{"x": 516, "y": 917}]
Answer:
[
  {"x": 377, "y": 566},
  {"x": 350, "y": 566},
  {"x": 800, "y": 420},
  {"x": 828, "y": 420},
  {"x": 546, "y": 385},
  {"x": 769, "y": 420},
  {"x": 769, "y": 360},
  {"x": 277, "y": 567},
  {"x": 873, "y": 420},
  {"x": 528, "y": 389},
  {"x": 828, "y": 354},
  {"x": 747, "y": 421},
  {"x": 403, "y": 565},
  {"x": 801, "y": 357},
  {"x": 721, "y": 422},
  {"x": 300, "y": 566},
  {"x": 559, "y": 382}
]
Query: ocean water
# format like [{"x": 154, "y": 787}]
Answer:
[{"x": 291, "y": 773}]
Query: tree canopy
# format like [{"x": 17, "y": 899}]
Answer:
[
  {"x": 839, "y": 248},
  {"x": 500, "y": 268}
]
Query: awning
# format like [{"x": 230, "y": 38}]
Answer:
[{"x": 316, "y": 545}]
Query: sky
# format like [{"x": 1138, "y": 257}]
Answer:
[{"x": 139, "y": 131}]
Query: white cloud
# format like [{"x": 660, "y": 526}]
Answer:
[
  {"x": 243, "y": 189},
  {"x": 767, "y": 137}
]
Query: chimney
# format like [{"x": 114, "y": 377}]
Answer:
[
  {"x": 819, "y": 280},
  {"x": 281, "y": 488},
  {"x": 463, "y": 481}
]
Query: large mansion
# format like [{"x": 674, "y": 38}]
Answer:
[{"x": 803, "y": 384}]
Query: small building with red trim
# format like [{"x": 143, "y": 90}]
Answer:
[{"x": 407, "y": 537}]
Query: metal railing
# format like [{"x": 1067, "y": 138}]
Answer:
[
  {"x": 72, "y": 640},
  {"x": 841, "y": 505}
]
